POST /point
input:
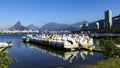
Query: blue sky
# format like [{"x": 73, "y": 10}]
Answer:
[{"x": 39, "y": 12}]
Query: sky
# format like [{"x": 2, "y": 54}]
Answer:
[{"x": 39, "y": 12}]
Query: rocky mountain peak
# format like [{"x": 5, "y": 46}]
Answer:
[{"x": 18, "y": 26}]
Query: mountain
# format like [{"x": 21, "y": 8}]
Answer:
[
  {"x": 32, "y": 27},
  {"x": 68, "y": 27},
  {"x": 77, "y": 25},
  {"x": 52, "y": 26},
  {"x": 57, "y": 26},
  {"x": 49, "y": 26},
  {"x": 18, "y": 26}
]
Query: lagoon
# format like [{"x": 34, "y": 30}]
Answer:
[{"x": 38, "y": 56}]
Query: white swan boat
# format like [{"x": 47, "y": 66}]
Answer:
[
  {"x": 86, "y": 43},
  {"x": 67, "y": 42},
  {"x": 5, "y": 44}
]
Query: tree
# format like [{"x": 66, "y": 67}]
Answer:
[{"x": 5, "y": 60}]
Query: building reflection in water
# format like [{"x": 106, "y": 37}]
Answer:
[{"x": 62, "y": 54}]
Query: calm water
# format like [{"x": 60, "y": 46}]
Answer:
[{"x": 37, "y": 56}]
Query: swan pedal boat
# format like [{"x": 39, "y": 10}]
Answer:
[
  {"x": 5, "y": 44},
  {"x": 64, "y": 42}
]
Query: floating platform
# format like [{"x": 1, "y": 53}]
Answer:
[
  {"x": 71, "y": 42},
  {"x": 88, "y": 49},
  {"x": 52, "y": 43}
]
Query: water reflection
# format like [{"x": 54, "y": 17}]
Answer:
[
  {"x": 62, "y": 54},
  {"x": 5, "y": 60},
  {"x": 83, "y": 53},
  {"x": 32, "y": 58}
]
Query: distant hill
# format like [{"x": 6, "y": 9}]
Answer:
[
  {"x": 77, "y": 25},
  {"x": 32, "y": 27},
  {"x": 49, "y": 26},
  {"x": 18, "y": 26},
  {"x": 52, "y": 26},
  {"x": 57, "y": 26}
]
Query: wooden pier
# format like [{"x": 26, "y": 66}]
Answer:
[
  {"x": 68, "y": 42},
  {"x": 88, "y": 49},
  {"x": 106, "y": 35}
]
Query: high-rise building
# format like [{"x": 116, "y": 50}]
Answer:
[
  {"x": 108, "y": 23},
  {"x": 108, "y": 19},
  {"x": 101, "y": 24},
  {"x": 116, "y": 22},
  {"x": 93, "y": 26}
]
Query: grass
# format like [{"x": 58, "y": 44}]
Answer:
[{"x": 108, "y": 63}]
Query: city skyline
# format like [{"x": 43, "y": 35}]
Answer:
[{"x": 39, "y": 12}]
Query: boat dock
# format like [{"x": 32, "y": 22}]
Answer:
[
  {"x": 71, "y": 42},
  {"x": 52, "y": 43}
]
